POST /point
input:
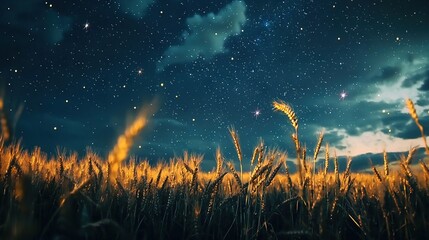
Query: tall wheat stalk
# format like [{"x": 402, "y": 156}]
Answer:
[
  {"x": 286, "y": 109},
  {"x": 126, "y": 141},
  {"x": 410, "y": 105},
  {"x": 237, "y": 146}
]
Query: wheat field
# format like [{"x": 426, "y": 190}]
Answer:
[{"x": 71, "y": 197}]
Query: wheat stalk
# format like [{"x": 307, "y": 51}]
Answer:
[
  {"x": 374, "y": 169},
  {"x": 318, "y": 145},
  {"x": 126, "y": 141},
  {"x": 425, "y": 168},
  {"x": 236, "y": 141},
  {"x": 273, "y": 174},
  {"x": 347, "y": 171},
  {"x": 410, "y": 105},
  {"x": 285, "y": 108},
  {"x": 386, "y": 163},
  {"x": 326, "y": 159},
  {"x": 235, "y": 174},
  {"x": 255, "y": 152},
  {"x": 410, "y": 155}
]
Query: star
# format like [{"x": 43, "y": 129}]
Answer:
[
  {"x": 266, "y": 23},
  {"x": 343, "y": 95},
  {"x": 86, "y": 26},
  {"x": 140, "y": 71},
  {"x": 256, "y": 113}
]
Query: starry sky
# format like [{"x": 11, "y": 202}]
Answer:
[{"x": 74, "y": 73}]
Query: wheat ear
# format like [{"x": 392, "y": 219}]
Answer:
[
  {"x": 285, "y": 108},
  {"x": 386, "y": 163},
  {"x": 236, "y": 141},
  {"x": 410, "y": 105}
]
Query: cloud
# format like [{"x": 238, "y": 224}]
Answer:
[
  {"x": 206, "y": 36},
  {"x": 135, "y": 8},
  {"x": 160, "y": 122},
  {"x": 389, "y": 73},
  {"x": 425, "y": 85},
  {"x": 24, "y": 18},
  {"x": 414, "y": 79},
  {"x": 374, "y": 116},
  {"x": 371, "y": 142},
  {"x": 408, "y": 83}
]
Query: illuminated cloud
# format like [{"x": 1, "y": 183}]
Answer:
[
  {"x": 135, "y": 8},
  {"x": 406, "y": 79},
  {"x": 371, "y": 142},
  {"x": 206, "y": 36},
  {"x": 375, "y": 116}
]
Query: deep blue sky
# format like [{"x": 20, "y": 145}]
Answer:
[{"x": 81, "y": 69}]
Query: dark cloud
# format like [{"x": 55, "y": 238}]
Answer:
[
  {"x": 416, "y": 78},
  {"x": 423, "y": 99},
  {"x": 207, "y": 35},
  {"x": 389, "y": 73},
  {"x": 425, "y": 85},
  {"x": 411, "y": 131},
  {"x": 359, "y": 117}
]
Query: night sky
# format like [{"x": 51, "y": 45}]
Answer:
[{"x": 80, "y": 71}]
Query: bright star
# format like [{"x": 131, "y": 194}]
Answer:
[
  {"x": 343, "y": 95},
  {"x": 256, "y": 113},
  {"x": 86, "y": 26}
]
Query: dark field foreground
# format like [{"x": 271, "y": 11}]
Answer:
[{"x": 67, "y": 198}]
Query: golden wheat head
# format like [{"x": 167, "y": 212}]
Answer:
[
  {"x": 236, "y": 141},
  {"x": 124, "y": 143},
  {"x": 285, "y": 108},
  {"x": 410, "y": 105}
]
